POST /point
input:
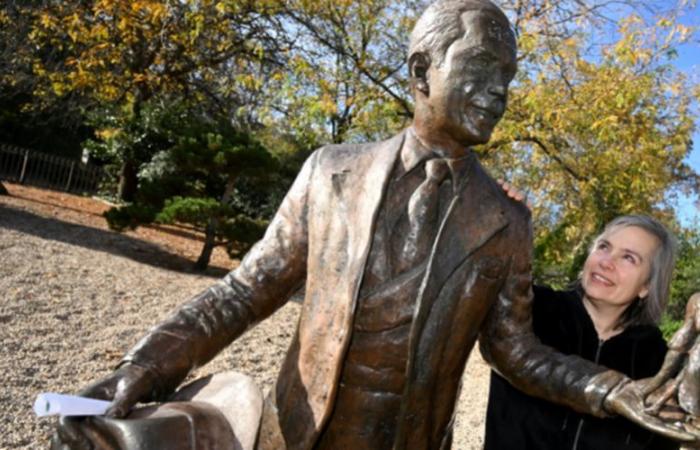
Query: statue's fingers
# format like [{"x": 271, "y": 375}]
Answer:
[
  {"x": 652, "y": 385},
  {"x": 124, "y": 400},
  {"x": 649, "y": 385},
  {"x": 625, "y": 401},
  {"x": 668, "y": 372},
  {"x": 676, "y": 431},
  {"x": 120, "y": 407},
  {"x": 653, "y": 388},
  {"x": 102, "y": 391},
  {"x": 667, "y": 394}
]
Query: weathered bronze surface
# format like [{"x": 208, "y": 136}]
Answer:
[{"x": 409, "y": 251}]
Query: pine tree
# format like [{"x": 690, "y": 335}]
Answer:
[{"x": 213, "y": 177}]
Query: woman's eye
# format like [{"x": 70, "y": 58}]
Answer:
[{"x": 631, "y": 259}]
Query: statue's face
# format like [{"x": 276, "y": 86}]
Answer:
[{"x": 468, "y": 92}]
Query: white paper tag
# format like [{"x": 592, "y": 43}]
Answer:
[{"x": 48, "y": 404}]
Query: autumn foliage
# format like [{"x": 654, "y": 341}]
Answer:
[{"x": 599, "y": 121}]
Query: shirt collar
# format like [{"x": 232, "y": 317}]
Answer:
[{"x": 413, "y": 153}]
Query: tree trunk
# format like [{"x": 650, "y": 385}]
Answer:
[
  {"x": 3, "y": 189},
  {"x": 128, "y": 181},
  {"x": 211, "y": 229},
  {"x": 209, "y": 244}
]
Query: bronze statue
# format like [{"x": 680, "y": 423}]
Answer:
[
  {"x": 409, "y": 251},
  {"x": 678, "y": 381}
]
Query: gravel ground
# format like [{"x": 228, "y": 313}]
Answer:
[{"x": 76, "y": 297}]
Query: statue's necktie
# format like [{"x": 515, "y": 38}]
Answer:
[{"x": 423, "y": 214}]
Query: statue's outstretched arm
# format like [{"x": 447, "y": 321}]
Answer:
[
  {"x": 268, "y": 275},
  {"x": 509, "y": 344}
]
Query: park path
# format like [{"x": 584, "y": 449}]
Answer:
[{"x": 76, "y": 296}]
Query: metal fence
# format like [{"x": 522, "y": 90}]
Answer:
[{"x": 24, "y": 166}]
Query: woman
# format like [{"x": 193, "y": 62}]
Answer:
[{"x": 609, "y": 318}]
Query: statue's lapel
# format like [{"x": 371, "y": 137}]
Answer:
[
  {"x": 360, "y": 186},
  {"x": 473, "y": 218}
]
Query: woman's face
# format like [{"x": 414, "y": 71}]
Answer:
[{"x": 617, "y": 270}]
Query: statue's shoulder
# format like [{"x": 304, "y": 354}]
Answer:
[
  {"x": 341, "y": 155},
  {"x": 516, "y": 211},
  {"x": 343, "y": 152}
]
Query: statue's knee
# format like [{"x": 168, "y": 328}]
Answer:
[
  {"x": 689, "y": 392},
  {"x": 75, "y": 433},
  {"x": 215, "y": 412},
  {"x": 238, "y": 399},
  {"x": 175, "y": 426}
]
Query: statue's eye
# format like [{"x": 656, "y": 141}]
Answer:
[{"x": 482, "y": 60}]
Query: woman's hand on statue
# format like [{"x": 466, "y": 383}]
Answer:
[{"x": 514, "y": 193}]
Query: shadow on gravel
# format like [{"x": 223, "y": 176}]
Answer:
[
  {"x": 168, "y": 230},
  {"x": 97, "y": 239}
]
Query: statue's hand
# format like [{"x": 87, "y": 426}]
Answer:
[
  {"x": 125, "y": 387},
  {"x": 678, "y": 380},
  {"x": 681, "y": 387},
  {"x": 657, "y": 390},
  {"x": 627, "y": 401}
]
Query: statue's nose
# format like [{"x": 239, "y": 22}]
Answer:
[{"x": 497, "y": 88}]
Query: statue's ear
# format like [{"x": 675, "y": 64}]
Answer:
[{"x": 418, "y": 64}]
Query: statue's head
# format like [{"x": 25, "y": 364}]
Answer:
[{"x": 461, "y": 59}]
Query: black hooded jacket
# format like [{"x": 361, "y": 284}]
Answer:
[{"x": 516, "y": 421}]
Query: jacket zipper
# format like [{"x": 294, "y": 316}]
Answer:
[{"x": 580, "y": 422}]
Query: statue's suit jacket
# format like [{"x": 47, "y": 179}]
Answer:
[{"x": 477, "y": 283}]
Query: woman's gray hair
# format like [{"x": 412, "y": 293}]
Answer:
[
  {"x": 441, "y": 24},
  {"x": 648, "y": 310}
]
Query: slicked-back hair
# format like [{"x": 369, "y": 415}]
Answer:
[
  {"x": 647, "y": 310},
  {"x": 441, "y": 24}
]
